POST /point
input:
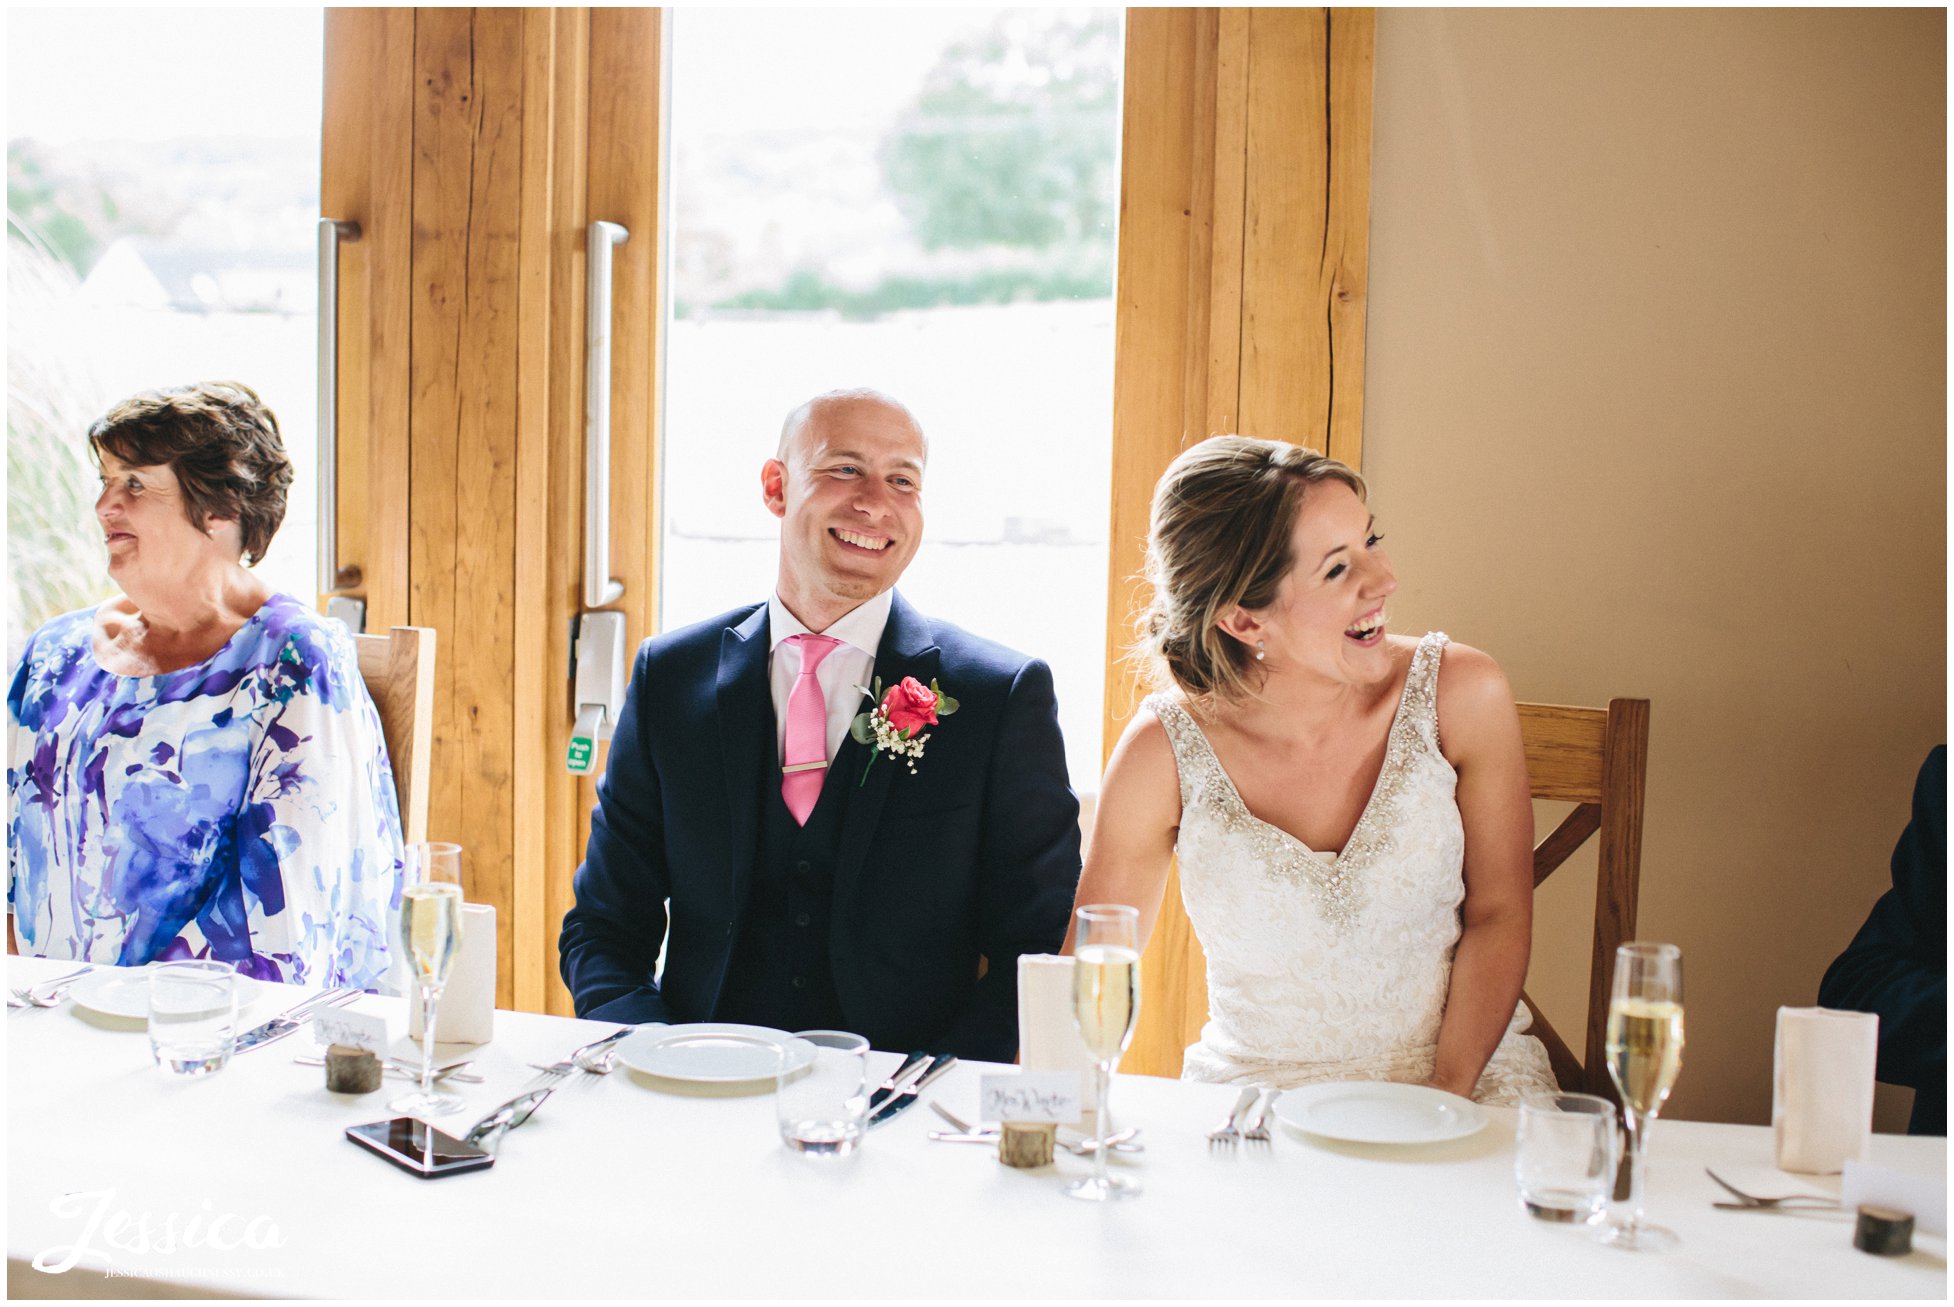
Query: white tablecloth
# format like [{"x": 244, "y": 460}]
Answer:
[{"x": 619, "y": 1188}]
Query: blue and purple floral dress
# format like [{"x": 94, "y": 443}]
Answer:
[{"x": 241, "y": 809}]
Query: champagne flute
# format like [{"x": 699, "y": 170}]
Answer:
[
  {"x": 1105, "y": 1002},
  {"x": 430, "y": 935},
  {"x": 1645, "y": 1054}
]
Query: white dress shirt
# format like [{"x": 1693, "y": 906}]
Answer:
[{"x": 848, "y": 664}]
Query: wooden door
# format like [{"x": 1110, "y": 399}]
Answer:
[{"x": 470, "y": 147}]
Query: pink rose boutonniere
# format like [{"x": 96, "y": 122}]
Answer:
[{"x": 897, "y": 722}]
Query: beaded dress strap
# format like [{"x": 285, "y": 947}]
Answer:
[
  {"x": 1194, "y": 760},
  {"x": 1420, "y": 715}
]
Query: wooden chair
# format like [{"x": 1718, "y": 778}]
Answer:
[
  {"x": 398, "y": 669},
  {"x": 1596, "y": 758}
]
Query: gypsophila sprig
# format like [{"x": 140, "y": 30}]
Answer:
[{"x": 896, "y": 725}]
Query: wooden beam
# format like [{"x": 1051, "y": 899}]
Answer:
[
  {"x": 346, "y": 176},
  {"x": 559, "y": 572},
  {"x": 1345, "y": 274},
  {"x": 1286, "y": 375},
  {"x": 366, "y": 176},
  {"x": 1244, "y": 208},
  {"x": 554, "y": 50},
  {"x": 1223, "y": 186},
  {"x": 468, "y": 130}
]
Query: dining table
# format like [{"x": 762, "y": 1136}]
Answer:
[{"x": 125, "y": 1180}]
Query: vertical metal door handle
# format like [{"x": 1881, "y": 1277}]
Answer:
[
  {"x": 599, "y": 586},
  {"x": 331, "y": 233}
]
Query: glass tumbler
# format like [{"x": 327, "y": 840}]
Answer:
[
  {"x": 192, "y": 1015},
  {"x": 823, "y": 1107},
  {"x": 1565, "y": 1157}
]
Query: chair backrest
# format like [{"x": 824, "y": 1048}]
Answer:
[
  {"x": 398, "y": 669},
  {"x": 1595, "y": 758}
]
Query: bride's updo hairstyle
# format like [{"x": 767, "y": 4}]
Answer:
[{"x": 1222, "y": 517}]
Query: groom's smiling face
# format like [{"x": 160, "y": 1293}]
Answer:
[{"x": 848, "y": 489}]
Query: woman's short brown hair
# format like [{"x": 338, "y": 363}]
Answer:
[
  {"x": 1222, "y": 518},
  {"x": 221, "y": 443}
]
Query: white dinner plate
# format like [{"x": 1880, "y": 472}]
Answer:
[
  {"x": 1379, "y": 1112},
  {"x": 124, "y": 992},
  {"x": 712, "y": 1053}
]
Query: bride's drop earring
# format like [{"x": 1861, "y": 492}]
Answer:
[{"x": 1261, "y": 650}]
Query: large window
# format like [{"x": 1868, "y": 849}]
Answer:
[
  {"x": 921, "y": 201},
  {"x": 162, "y": 191}
]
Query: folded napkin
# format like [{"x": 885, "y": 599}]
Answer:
[
  {"x": 1048, "y": 1035},
  {"x": 467, "y": 1014},
  {"x": 1822, "y": 1091}
]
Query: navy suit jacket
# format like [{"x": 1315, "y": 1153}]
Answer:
[
  {"x": 973, "y": 858},
  {"x": 1897, "y": 964}
]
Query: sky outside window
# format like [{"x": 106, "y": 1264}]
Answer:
[
  {"x": 162, "y": 196},
  {"x": 923, "y": 202}
]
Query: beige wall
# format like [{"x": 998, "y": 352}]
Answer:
[{"x": 1656, "y": 407}]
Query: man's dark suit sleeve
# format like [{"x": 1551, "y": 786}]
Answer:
[
  {"x": 1897, "y": 964},
  {"x": 611, "y": 938},
  {"x": 1029, "y": 851}
]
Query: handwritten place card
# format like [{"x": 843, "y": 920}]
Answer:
[
  {"x": 1029, "y": 1096},
  {"x": 353, "y": 1029}
]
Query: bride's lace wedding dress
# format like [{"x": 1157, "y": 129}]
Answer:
[{"x": 1325, "y": 967}]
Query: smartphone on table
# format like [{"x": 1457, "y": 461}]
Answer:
[{"x": 418, "y": 1148}]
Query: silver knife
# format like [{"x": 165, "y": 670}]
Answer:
[
  {"x": 286, "y": 1022},
  {"x": 895, "y": 1083},
  {"x": 906, "y": 1098}
]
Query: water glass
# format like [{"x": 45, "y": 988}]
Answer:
[
  {"x": 1565, "y": 1158},
  {"x": 192, "y": 1015},
  {"x": 823, "y": 1107}
]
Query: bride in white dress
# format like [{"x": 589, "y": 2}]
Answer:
[{"x": 1350, "y": 807}]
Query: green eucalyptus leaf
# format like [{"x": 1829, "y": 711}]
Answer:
[
  {"x": 945, "y": 705},
  {"x": 860, "y": 730}
]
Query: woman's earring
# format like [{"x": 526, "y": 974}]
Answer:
[{"x": 1261, "y": 650}]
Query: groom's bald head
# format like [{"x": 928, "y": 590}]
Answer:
[{"x": 840, "y": 404}]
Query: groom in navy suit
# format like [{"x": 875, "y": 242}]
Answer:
[{"x": 797, "y": 875}]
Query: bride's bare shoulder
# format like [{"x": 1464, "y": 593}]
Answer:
[
  {"x": 1146, "y": 733},
  {"x": 1466, "y": 671},
  {"x": 1474, "y": 699},
  {"x": 1143, "y": 760}
]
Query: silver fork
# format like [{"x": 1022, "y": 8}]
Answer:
[
  {"x": 1814, "y": 1201},
  {"x": 600, "y": 1061},
  {"x": 595, "y": 1057},
  {"x": 27, "y": 997},
  {"x": 1257, "y": 1131},
  {"x": 1226, "y": 1135}
]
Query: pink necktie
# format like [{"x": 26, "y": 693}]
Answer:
[{"x": 804, "y": 760}]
